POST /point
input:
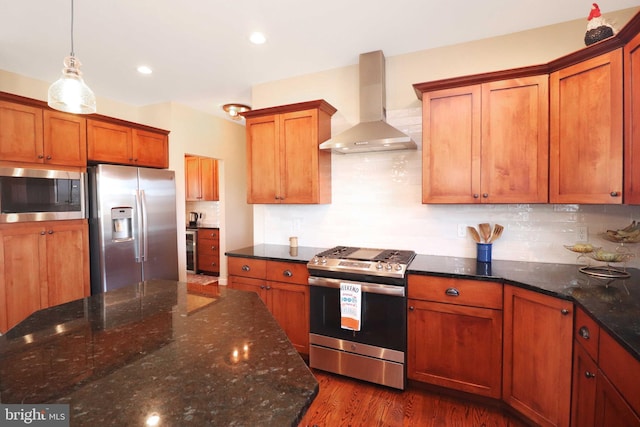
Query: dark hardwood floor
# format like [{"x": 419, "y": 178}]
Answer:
[{"x": 343, "y": 402}]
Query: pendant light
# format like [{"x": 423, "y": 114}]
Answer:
[{"x": 70, "y": 93}]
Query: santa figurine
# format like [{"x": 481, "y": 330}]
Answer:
[{"x": 597, "y": 27}]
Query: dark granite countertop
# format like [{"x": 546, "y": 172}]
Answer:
[
  {"x": 154, "y": 348},
  {"x": 614, "y": 304}
]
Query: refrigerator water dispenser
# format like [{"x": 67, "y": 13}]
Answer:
[{"x": 121, "y": 224}]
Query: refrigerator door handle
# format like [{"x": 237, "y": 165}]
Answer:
[
  {"x": 145, "y": 227},
  {"x": 138, "y": 232}
]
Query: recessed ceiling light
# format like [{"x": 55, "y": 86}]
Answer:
[
  {"x": 143, "y": 69},
  {"x": 257, "y": 38}
]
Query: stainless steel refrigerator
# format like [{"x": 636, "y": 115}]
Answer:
[{"x": 132, "y": 226}]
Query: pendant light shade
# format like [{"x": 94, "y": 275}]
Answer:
[{"x": 70, "y": 93}]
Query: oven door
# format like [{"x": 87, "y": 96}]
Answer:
[{"x": 383, "y": 316}]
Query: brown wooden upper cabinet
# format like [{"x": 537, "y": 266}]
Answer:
[
  {"x": 284, "y": 162},
  {"x": 486, "y": 143},
  {"x": 120, "y": 144},
  {"x": 201, "y": 179},
  {"x": 30, "y": 134},
  {"x": 586, "y": 131},
  {"x": 632, "y": 121}
]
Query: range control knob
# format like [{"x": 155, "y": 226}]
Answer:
[
  {"x": 323, "y": 260},
  {"x": 389, "y": 266},
  {"x": 315, "y": 259},
  {"x": 398, "y": 267},
  {"x": 379, "y": 265}
]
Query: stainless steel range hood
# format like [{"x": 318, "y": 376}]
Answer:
[{"x": 372, "y": 133}]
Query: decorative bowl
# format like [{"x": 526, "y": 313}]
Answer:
[{"x": 582, "y": 248}]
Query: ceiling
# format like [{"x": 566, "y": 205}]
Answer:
[{"x": 200, "y": 52}]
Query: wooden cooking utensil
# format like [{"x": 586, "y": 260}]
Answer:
[
  {"x": 474, "y": 233},
  {"x": 485, "y": 231},
  {"x": 496, "y": 233}
]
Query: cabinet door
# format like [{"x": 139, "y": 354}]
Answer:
[
  {"x": 209, "y": 179},
  {"x": 583, "y": 397},
  {"x": 515, "y": 141},
  {"x": 299, "y": 175},
  {"x": 632, "y": 121},
  {"x": 65, "y": 139},
  {"x": 611, "y": 408},
  {"x": 150, "y": 149},
  {"x": 108, "y": 143},
  {"x": 67, "y": 261},
  {"x": 537, "y": 356},
  {"x": 455, "y": 346},
  {"x": 20, "y": 133},
  {"x": 586, "y": 132},
  {"x": 192, "y": 178},
  {"x": 263, "y": 160},
  {"x": 258, "y": 286},
  {"x": 451, "y": 145},
  {"x": 289, "y": 304},
  {"x": 23, "y": 284}
]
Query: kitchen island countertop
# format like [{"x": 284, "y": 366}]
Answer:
[
  {"x": 156, "y": 349},
  {"x": 614, "y": 304}
]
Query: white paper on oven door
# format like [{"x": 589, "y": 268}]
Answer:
[{"x": 350, "y": 306}]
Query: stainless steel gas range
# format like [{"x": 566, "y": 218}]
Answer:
[{"x": 358, "y": 313}]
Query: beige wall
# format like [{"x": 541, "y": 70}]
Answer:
[{"x": 192, "y": 132}]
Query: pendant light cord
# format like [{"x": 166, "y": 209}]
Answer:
[{"x": 72, "y": 50}]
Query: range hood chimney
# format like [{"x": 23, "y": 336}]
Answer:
[{"x": 372, "y": 133}]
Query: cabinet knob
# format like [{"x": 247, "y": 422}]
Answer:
[
  {"x": 40, "y": 156},
  {"x": 48, "y": 157},
  {"x": 213, "y": 248},
  {"x": 268, "y": 287},
  {"x": 564, "y": 311},
  {"x": 50, "y": 231},
  {"x": 589, "y": 375},
  {"x": 476, "y": 195},
  {"x": 411, "y": 308},
  {"x": 584, "y": 332},
  {"x": 287, "y": 273},
  {"x": 213, "y": 264},
  {"x": 485, "y": 195},
  {"x": 246, "y": 268},
  {"x": 262, "y": 286},
  {"x": 452, "y": 292},
  {"x": 42, "y": 233},
  {"x": 614, "y": 194},
  {"x": 130, "y": 159}
]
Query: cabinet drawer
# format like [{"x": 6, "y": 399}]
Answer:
[
  {"x": 587, "y": 332},
  {"x": 622, "y": 369},
  {"x": 247, "y": 267},
  {"x": 208, "y": 233},
  {"x": 287, "y": 272},
  {"x": 209, "y": 263},
  {"x": 208, "y": 248},
  {"x": 473, "y": 293}
]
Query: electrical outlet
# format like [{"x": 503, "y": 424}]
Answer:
[
  {"x": 462, "y": 230},
  {"x": 582, "y": 233}
]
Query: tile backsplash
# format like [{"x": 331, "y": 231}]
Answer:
[
  {"x": 377, "y": 202},
  {"x": 210, "y": 212}
]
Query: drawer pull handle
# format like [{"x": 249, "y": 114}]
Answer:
[
  {"x": 411, "y": 308},
  {"x": 564, "y": 311},
  {"x": 584, "y": 332},
  {"x": 589, "y": 374},
  {"x": 452, "y": 292},
  {"x": 246, "y": 268},
  {"x": 287, "y": 273}
]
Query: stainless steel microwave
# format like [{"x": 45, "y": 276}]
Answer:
[{"x": 41, "y": 195}]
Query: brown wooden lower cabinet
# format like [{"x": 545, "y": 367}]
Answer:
[
  {"x": 41, "y": 264},
  {"x": 454, "y": 334},
  {"x": 284, "y": 289},
  {"x": 606, "y": 391},
  {"x": 209, "y": 251},
  {"x": 536, "y": 379}
]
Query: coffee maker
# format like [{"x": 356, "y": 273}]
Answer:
[{"x": 193, "y": 219}]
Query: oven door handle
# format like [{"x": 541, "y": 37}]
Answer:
[{"x": 371, "y": 288}]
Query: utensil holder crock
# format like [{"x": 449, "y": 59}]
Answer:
[{"x": 484, "y": 252}]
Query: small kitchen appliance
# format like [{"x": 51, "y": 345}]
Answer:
[
  {"x": 377, "y": 351},
  {"x": 193, "y": 219}
]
